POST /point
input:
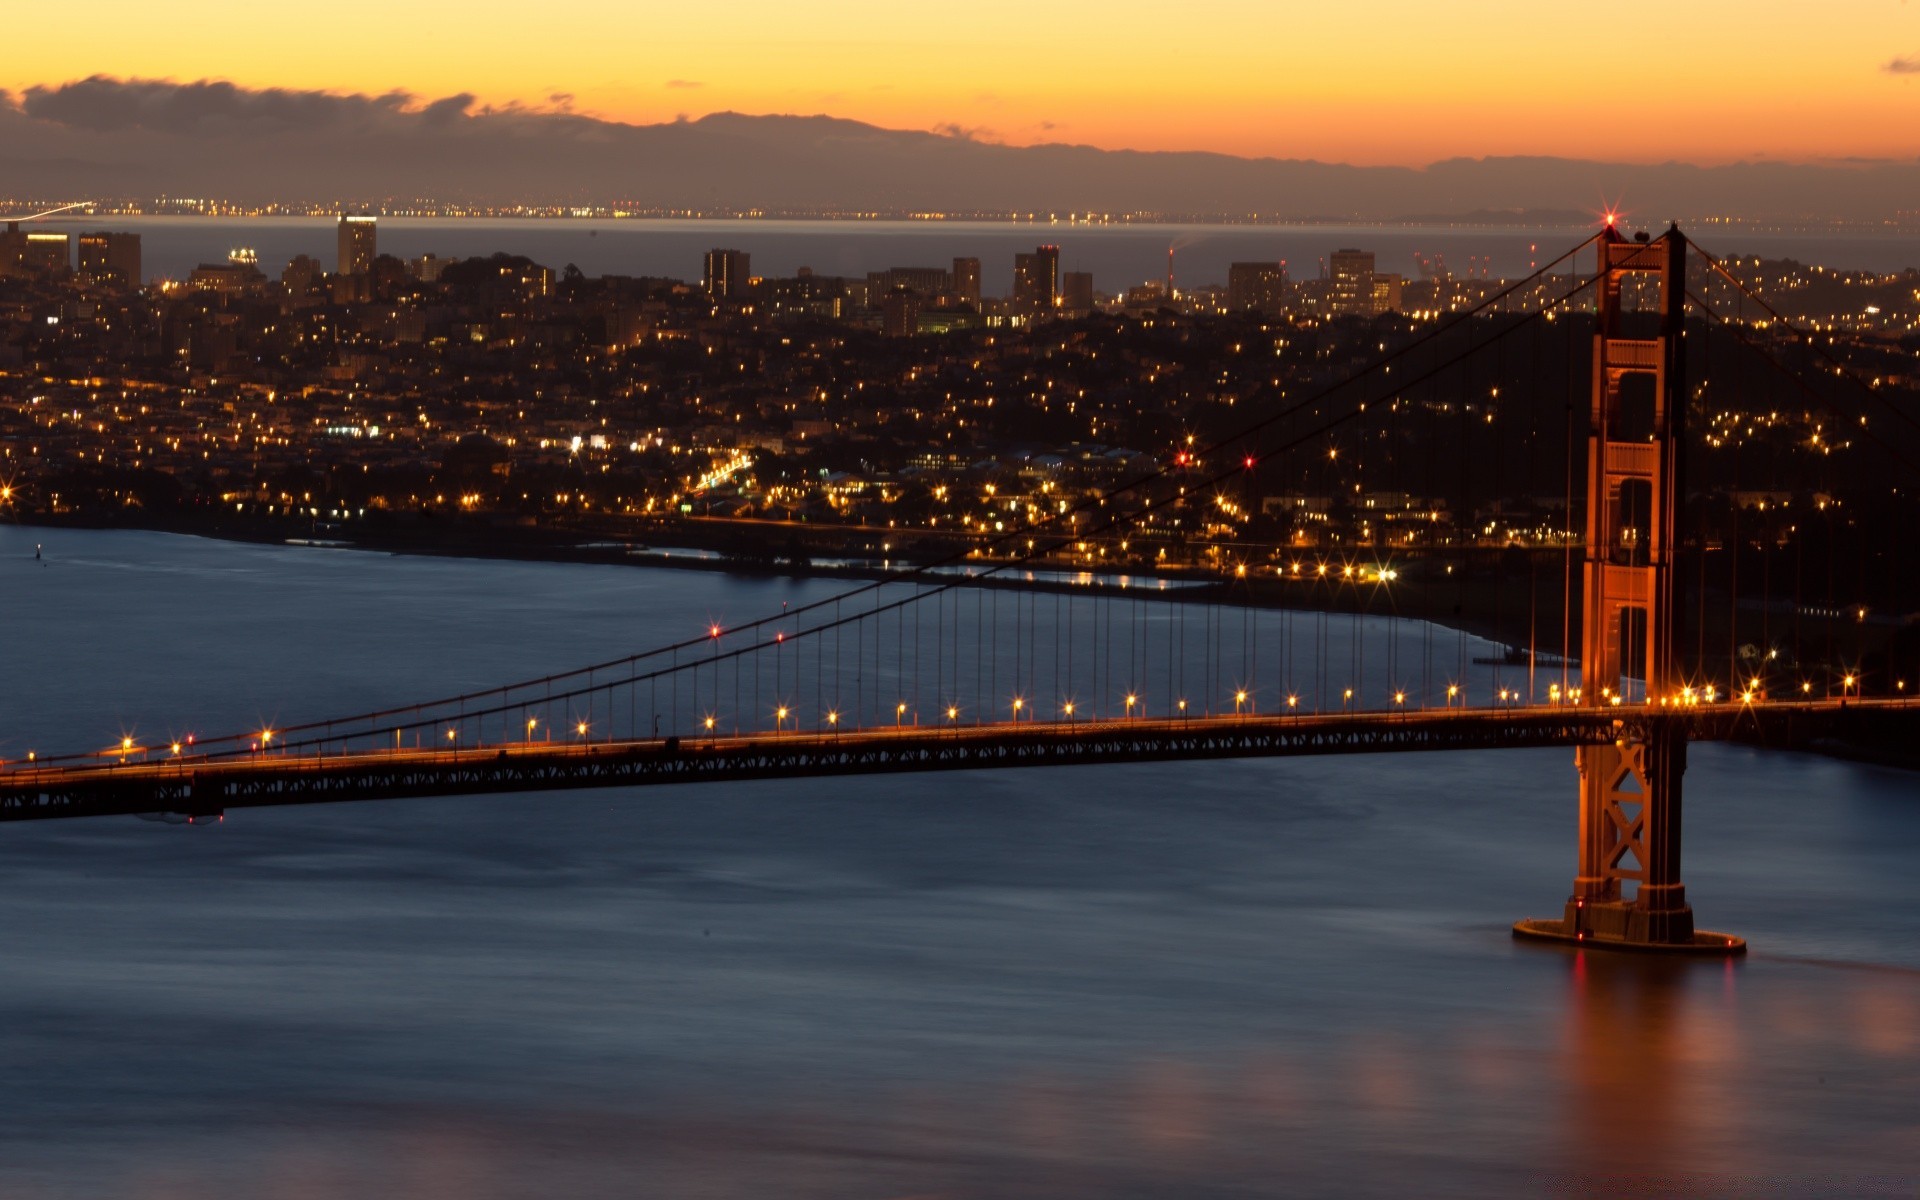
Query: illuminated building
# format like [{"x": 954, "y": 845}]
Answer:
[
  {"x": 1351, "y": 274},
  {"x": 727, "y": 274},
  {"x": 49, "y": 253},
  {"x": 900, "y": 313},
  {"x": 1385, "y": 293},
  {"x": 111, "y": 258},
  {"x": 356, "y": 238},
  {"x": 966, "y": 281},
  {"x": 1036, "y": 281},
  {"x": 1260, "y": 286}
]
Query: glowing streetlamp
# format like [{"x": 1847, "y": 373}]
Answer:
[
  {"x": 1131, "y": 701},
  {"x": 899, "y": 713},
  {"x": 1239, "y": 698},
  {"x": 1018, "y": 704},
  {"x": 779, "y": 717}
]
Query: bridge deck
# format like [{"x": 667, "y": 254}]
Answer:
[{"x": 213, "y": 784}]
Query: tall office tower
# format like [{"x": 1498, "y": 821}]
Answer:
[
  {"x": 49, "y": 253},
  {"x": 1036, "y": 280},
  {"x": 1076, "y": 293},
  {"x": 1261, "y": 286},
  {"x": 111, "y": 258},
  {"x": 966, "y": 281},
  {"x": 726, "y": 274},
  {"x": 356, "y": 244},
  {"x": 1351, "y": 274}
]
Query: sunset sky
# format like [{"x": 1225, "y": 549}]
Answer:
[{"x": 1363, "y": 81}]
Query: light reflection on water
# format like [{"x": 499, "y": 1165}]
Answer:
[{"x": 1229, "y": 979}]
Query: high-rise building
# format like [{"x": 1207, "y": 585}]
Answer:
[
  {"x": 356, "y": 238},
  {"x": 302, "y": 275},
  {"x": 900, "y": 312},
  {"x": 1036, "y": 281},
  {"x": 13, "y": 250},
  {"x": 1386, "y": 293},
  {"x": 1261, "y": 286},
  {"x": 931, "y": 284},
  {"x": 726, "y": 274},
  {"x": 49, "y": 253},
  {"x": 1350, "y": 273},
  {"x": 966, "y": 281},
  {"x": 1076, "y": 293},
  {"x": 111, "y": 258}
]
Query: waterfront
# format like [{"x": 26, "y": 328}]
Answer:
[
  {"x": 1117, "y": 255},
  {"x": 1251, "y": 978}
]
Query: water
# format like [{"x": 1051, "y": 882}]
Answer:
[
  {"x": 1118, "y": 256},
  {"x": 1284, "y": 977}
]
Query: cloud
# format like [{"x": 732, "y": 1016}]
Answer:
[
  {"x": 102, "y": 104},
  {"x": 683, "y": 84},
  {"x": 1906, "y": 64},
  {"x": 446, "y": 109},
  {"x": 966, "y": 133}
]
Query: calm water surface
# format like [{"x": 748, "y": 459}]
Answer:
[{"x": 1284, "y": 977}]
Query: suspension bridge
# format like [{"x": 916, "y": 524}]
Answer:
[{"x": 1293, "y": 648}]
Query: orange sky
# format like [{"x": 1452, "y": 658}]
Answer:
[{"x": 1364, "y": 81}]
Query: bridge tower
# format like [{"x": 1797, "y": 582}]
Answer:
[{"x": 1630, "y": 789}]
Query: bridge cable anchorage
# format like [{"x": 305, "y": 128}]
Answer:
[{"x": 236, "y": 743}]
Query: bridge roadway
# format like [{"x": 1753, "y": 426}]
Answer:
[{"x": 208, "y": 785}]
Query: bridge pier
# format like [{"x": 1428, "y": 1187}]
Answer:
[
  {"x": 1630, "y": 791},
  {"x": 1630, "y": 822}
]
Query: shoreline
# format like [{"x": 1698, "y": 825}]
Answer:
[{"x": 548, "y": 545}]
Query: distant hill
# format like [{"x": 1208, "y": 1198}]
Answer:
[{"x": 144, "y": 138}]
